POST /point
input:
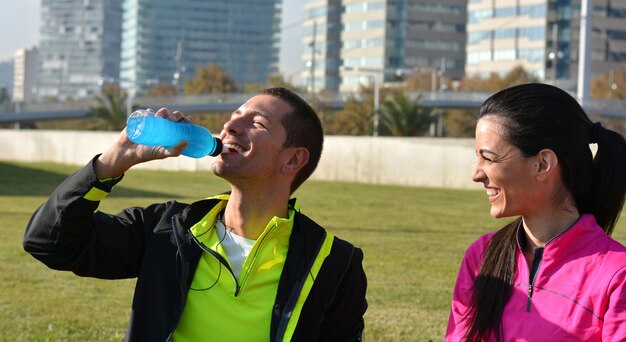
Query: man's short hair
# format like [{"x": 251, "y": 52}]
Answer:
[{"x": 304, "y": 129}]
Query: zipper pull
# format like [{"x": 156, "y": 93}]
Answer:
[{"x": 530, "y": 296}]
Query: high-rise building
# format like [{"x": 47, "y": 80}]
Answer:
[
  {"x": 6, "y": 76},
  {"x": 164, "y": 41},
  {"x": 79, "y": 47},
  {"x": 25, "y": 74},
  {"x": 382, "y": 38},
  {"x": 543, "y": 37},
  {"x": 322, "y": 44}
]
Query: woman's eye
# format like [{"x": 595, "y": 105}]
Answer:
[{"x": 485, "y": 158}]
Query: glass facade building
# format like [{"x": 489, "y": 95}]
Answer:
[
  {"x": 79, "y": 47},
  {"x": 164, "y": 41},
  {"x": 384, "y": 36},
  {"x": 543, "y": 37},
  {"x": 322, "y": 44}
]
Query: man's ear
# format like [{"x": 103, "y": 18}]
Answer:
[
  {"x": 546, "y": 164},
  {"x": 295, "y": 160}
]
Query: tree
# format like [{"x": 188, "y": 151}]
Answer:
[
  {"x": 277, "y": 80},
  {"x": 162, "y": 90},
  {"x": 495, "y": 82},
  {"x": 5, "y": 99},
  {"x": 209, "y": 80},
  {"x": 273, "y": 80},
  {"x": 357, "y": 115},
  {"x": 111, "y": 107},
  {"x": 423, "y": 81},
  {"x": 611, "y": 85},
  {"x": 459, "y": 123},
  {"x": 355, "y": 118},
  {"x": 401, "y": 116}
]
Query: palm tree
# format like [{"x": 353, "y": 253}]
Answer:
[
  {"x": 111, "y": 107},
  {"x": 401, "y": 116}
]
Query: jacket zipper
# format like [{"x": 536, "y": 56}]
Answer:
[
  {"x": 254, "y": 256},
  {"x": 537, "y": 256},
  {"x": 220, "y": 258}
]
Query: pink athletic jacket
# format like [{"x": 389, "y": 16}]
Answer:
[{"x": 578, "y": 292}]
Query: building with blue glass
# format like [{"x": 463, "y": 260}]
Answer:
[
  {"x": 358, "y": 40},
  {"x": 79, "y": 47},
  {"x": 543, "y": 37},
  {"x": 164, "y": 41}
]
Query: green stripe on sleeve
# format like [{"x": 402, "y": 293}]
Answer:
[{"x": 95, "y": 194}]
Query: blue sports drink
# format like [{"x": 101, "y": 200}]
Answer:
[{"x": 145, "y": 128}]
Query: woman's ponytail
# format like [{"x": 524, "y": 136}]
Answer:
[{"x": 605, "y": 198}]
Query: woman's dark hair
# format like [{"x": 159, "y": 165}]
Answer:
[
  {"x": 535, "y": 117},
  {"x": 304, "y": 129}
]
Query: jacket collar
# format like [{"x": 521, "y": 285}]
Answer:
[{"x": 578, "y": 236}]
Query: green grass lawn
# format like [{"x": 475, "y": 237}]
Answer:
[{"x": 413, "y": 240}]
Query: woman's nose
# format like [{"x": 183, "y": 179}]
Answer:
[{"x": 478, "y": 175}]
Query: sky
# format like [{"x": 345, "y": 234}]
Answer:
[{"x": 19, "y": 28}]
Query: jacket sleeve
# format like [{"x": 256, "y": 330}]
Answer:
[
  {"x": 462, "y": 294},
  {"x": 344, "y": 319},
  {"x": 614, "y": 328},
  {"x": 67, "y": 233}
]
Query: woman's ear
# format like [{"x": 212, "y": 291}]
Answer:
[
  {"x": 547, "y": 163},
  {"x": 295, "y": 160}
]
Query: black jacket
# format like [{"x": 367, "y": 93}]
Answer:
[{"x": 154, "y": 244}]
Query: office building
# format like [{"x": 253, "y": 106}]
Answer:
[
  {"x": 6, "y": 76},
  {"x": 322, "y": 44},
  {"x": 389, "y": 39},
  {"x": 543, "y": 37},
  {"x": 25, "y": 75},
  {"x": 164, "y": 41},
  {"x": 79, "y": 47}
]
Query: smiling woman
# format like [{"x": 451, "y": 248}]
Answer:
[
  {"x": 539, "y": 277},
  {"x": 506, "y": 174}
]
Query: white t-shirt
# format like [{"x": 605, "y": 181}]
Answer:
[{"x": 237, "y": 248}]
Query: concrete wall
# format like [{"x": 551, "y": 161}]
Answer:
[{"x": 430, "y": 162}]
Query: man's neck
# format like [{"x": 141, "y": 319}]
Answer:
[{"x": 248, "y": 212}]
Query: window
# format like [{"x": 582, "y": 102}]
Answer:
[
  {"x": 531, "y": 55},
  {"x": 476, "y": 57},
  {"x": 437, "y": 7},
  {"x": 477, "y": 16},
  {"x": 315, "y": 13},
  {"x": 533, "y": 33},
  {"x": 478, "y": 36},
  {"x": 364, "y": 25},
  {"x": 504, "y": 34},
  {"x": 619, "y": 35},
  {"x": 504, "y": 55},
  {"x": 505, "y": 12},
  {"x": 533, "y": 11},
  {"x": 364, "y": 7}
]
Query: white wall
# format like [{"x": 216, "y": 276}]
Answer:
[{"x": 430, "y": 162}]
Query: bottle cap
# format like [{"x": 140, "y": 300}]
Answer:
[{"x": 219, "y": 148}]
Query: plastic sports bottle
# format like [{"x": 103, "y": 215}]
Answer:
[{"x": 146, "y": 128}]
